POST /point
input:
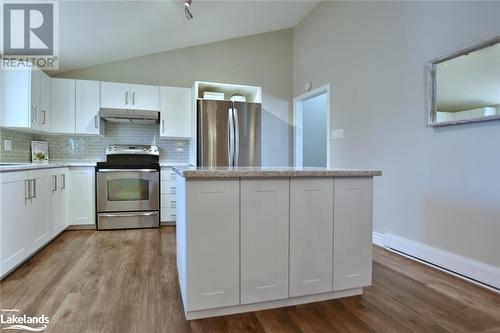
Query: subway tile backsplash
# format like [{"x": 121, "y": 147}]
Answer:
[
  {"x": 81, "y": 148},
  {"x": 21, "y": 146}
]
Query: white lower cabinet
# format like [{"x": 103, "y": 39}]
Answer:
[
  {"x": 264, "y": 239},
  {"x": 311, "y": 236},
  {"x": 82, "y": 196},
  {"x": 212, "y": 238},
  {"x": 14, "y": 219},
  {"x": 168, "y": 201},
  {"x": 352, "y": 250},
  {"x": 60, "y": 200},
  {"x": 25, "y": 224},
  {"x": 39, "y": 227}
]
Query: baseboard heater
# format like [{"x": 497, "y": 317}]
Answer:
[{"x": 475, "y": 271}]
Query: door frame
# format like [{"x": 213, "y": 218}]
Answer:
[{"x": 298, "y": 124}]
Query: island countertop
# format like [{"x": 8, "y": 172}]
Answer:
[{"x": 251, "y": 172}]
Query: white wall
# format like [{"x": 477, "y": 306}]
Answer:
[
  {"x": 440, "y": 186},
  {"x": 314, "y": 118},
  {"x": 262, "y": 60}
]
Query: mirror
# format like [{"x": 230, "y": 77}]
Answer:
[{"x": 465, "y": 86}]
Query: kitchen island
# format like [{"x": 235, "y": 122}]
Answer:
[{"x": 257, "y": 238}]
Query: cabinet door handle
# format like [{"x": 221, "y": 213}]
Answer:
[
  {"x": 63, "y": 181},
  {"x": 163, "y": 126},
  {"x": 95, "y": 122},
  {"x": 27, "y": 189},
  {"x": 126, "y": 98},
  {"x": 33, "y": 114},
  {"x": 54, "y": 188},
  {"x": 133, "y": 98},
  {"x": 44, "y": 117},
  {"x": 34, "y": 188}
]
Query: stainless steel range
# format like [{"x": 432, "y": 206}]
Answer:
[{"x": 128, "y": 188}]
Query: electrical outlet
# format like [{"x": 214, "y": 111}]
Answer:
[
  {"x": 7, "y": 145},
  {"x": 337, "y": 133}
]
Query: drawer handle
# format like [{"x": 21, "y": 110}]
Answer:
[
  {"x": 172, "y": 203},
  {"x": 129, "y": 215}
]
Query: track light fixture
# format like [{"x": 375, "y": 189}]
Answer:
[{"x": 187, "y": 9}]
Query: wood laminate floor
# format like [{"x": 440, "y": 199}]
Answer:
[{"x": 126, "y": 281}]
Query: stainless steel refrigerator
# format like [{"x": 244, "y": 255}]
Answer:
[{"x": 228, "y": 133}]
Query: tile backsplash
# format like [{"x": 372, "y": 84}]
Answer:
[
  {"x": 21, "y": 146},
  {"x": 80, "y": 148}
]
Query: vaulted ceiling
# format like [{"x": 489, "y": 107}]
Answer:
[{"x": 97, "y": 32}]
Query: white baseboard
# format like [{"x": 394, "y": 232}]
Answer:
[
  {"x": 378, "y": 238},
  {"x": 444, "y": 260}
]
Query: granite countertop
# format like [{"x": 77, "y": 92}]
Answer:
[{"x": 248, "y": 172}]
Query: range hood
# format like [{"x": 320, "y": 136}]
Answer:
[{"x": 130, "y": 116}]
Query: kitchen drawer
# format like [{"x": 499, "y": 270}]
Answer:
[
  {"x": 168, "y": 201},
  {"x": 167, "y": 214},
  {"x": 168, "y": 187},
  {"x": 167, "y": 174}
]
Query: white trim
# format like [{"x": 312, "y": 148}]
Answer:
[
  {"x": 297, "y": 124},
  {"x": 471, "y": 270},
  {"x": 378, "y": 238},
  {"x": 271, "y": 304}
]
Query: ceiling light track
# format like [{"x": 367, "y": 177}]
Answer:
[{"x": 187, "y": 9}]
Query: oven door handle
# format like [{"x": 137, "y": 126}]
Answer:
[
  {"x": 127, "y": 170},
  {"x": 129, "y": 214}
]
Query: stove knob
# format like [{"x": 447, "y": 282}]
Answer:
[{"x": 144, "y": 149}]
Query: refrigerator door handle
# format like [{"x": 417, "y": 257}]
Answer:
[
  {"x": 230, "y": 140},
  {"x": 236, "y": 153}
]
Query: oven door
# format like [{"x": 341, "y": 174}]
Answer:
[{"x": 125, "y": 190}]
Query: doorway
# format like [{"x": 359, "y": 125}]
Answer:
[{"x": 311, "y": 119}]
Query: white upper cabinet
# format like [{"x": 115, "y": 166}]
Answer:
[
  {"x": 130, "y": 96},
  {"x": 87, "y": 107},
  {"x": 21, "y": 100},
  {"x": 145, "y": 97},
  {"x": 311, "y": 236},
  {"x": 44, "y": 112},
  {"x": 352, "y": 252},
  {"x": 63, "y": 106},
  {"x": 115, "y": 95},
  {"x": 176, "y": 111}
]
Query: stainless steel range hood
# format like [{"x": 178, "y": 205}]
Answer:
[{"x": 130, "y": 116}]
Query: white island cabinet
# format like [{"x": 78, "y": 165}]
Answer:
[{"x": 252, "y": 238}]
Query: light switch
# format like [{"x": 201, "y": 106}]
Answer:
[
  {"x": 7, "y": 144},
  {"x": 337, "y": 133}
]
